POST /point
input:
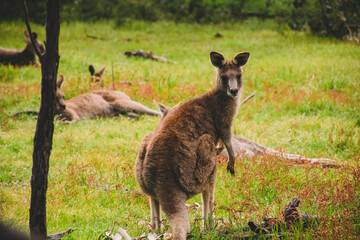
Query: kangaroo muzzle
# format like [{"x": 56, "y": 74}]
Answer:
[
  {"x": 233, "y": 89},
  {"x": 234, "y": 92},
  {"x": 60, "y": 106}
]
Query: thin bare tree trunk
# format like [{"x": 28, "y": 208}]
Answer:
[{"x": 45, "y": 123}]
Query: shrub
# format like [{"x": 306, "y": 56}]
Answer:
[{"x": 335, "y": 18}]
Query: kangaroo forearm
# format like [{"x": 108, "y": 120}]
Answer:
[
  {"x": 231, "y": 153},
  {"x": 230, "y": 150}
]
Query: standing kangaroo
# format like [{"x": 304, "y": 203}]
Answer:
[
  {"x": 24, "y": 57},
  {"x": 178, "y": 160},
  {"x": 97, "y": 104}
]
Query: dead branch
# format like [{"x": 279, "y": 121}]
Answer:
[
  {"x": 119, "y": 235},
  {"x": 148, "y": 54},
  {"x": 248, "y": 98},
  {"x": 227, "y": 235},
  {"x": 94, "y": 37},
  {"x": 291, "y": 213},
  {"x": 124, "y": 234},
  {"x": 60, "y": 235},
  {"x": 257, "y": 229},
  {"x": 246, "y": 148},
  {"x": 36, "y": 49},
  {"x": 290, "y": 216}
]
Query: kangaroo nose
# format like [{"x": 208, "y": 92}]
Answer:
[
  {"x": 234, "y": 92},
  {"x": 62, "y": 107}
]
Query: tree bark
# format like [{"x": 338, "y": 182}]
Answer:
[{"x": 45, "y": 124}]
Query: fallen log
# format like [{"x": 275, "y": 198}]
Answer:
[
  {"x": 95, "y": 37},
  {"x": 246, "y": 148},
  {"x": 148, "y": 54}
]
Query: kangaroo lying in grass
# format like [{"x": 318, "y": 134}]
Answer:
[
  {"x": 97, "y": 104},
  {"x": 24, "y": 57},
  {"x": 178, "y": 160}
]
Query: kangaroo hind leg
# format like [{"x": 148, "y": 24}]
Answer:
[
  {"x": 155, "y": 214},
  {"x": 174, "y": 207},
  {"x": 205, "y": 174},
  {"x": 207, "y": 198},
  {"x": 125, "y": 106}
]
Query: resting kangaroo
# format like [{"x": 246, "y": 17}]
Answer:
[
  {"x": 178, "y": 160},
  {"x": 24, "y": 57},
  {"x": 97, "y": 104},
  {"x": 96, "y": 76}
]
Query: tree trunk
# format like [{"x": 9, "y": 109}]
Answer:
[{"x": 45, "y": 123}]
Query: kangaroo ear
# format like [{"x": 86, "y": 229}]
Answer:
[
  {"x": 60, "y": 81},
  {"x": 101, "y": 71},
  {"x": 164, "y": 110},
  {"x": 91, "y": 70},
  {"x": 241, "y": 58},
  {"x": 217, "y": 59}
]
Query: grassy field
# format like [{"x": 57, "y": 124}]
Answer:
[{"x": 307, "y": 102}]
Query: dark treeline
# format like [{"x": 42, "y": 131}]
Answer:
[{"x": 327, "y": 17}]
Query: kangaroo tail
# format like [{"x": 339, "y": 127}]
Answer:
[{"x": 27, "y": 112}]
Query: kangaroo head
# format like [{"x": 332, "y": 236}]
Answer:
[
  {"x": 39, "y": 44},
  {"x": 229, "y": 73},
  {"x": 60, "y": 98},
  {"x": 96, "y": 76},
  {"x": 163, "y": 109}
]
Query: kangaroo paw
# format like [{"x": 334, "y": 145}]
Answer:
[{"x": 231, "y": 170}]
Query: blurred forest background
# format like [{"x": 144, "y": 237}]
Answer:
[{"x": 336, "y": 18}]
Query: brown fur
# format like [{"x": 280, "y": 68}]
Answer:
[
  {"x": 97, "y": 104},
  {"x": 96, "y": 77},
  {"x": 24, "y": 57},
  {"x": 178, "y": 160}
]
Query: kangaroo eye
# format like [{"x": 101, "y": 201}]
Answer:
[
  {"x": 224, "y": 78},
  {"x": 238, "y": 77}
]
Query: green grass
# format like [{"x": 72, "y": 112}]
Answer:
[{"x": 307, "y": 102}]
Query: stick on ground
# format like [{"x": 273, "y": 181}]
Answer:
[
  {"x": 60, "y": 235},
  {"x": 148, "y": 54}
]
